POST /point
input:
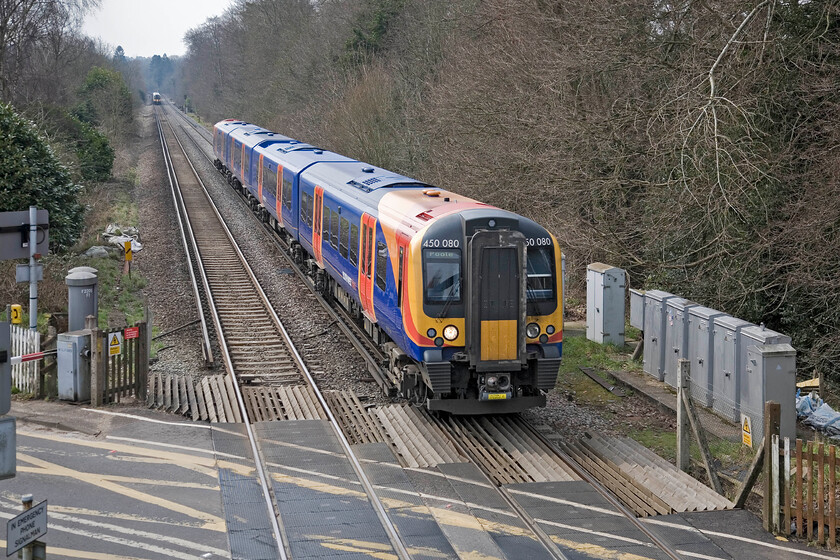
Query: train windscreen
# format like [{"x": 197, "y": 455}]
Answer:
[{"x": 443, "y": 275}]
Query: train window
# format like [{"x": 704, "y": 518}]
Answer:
[
  {"x": 344, "y": 239},
  {"x": 354, "y": 244},
  {"x": 287, "y": 193},
  {"x": 400, "y": 280},
  {"x": 442, "y": 275},
  {"x": 334, "y": 230},
  {"x": 364, "y": 266},
  {"x": 381, "y": 265},
  {"x": 540, "y": 280},
  {"x": 368, "y": 256},
  {"x": 237, "y": 156},
  {"x": 325, "y": 224},
  {"x": 269, "y": 178},
  {"x": 246, "y": 161},
  {"x": 306, "y": 208}
]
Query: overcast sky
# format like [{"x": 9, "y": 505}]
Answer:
[{"x": 150, "y": 27}]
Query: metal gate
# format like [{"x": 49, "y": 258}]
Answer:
[{"x": 120, "y": 366}]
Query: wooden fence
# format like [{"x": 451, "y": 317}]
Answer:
[
  {"x": 803, "y": 483},
  {"x": 26, "y": 375},
  {"x": 120, "y": 366}
]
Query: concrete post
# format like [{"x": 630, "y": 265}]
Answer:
[
  {"x": 96, "y": 363},
  {"x": 683, "y": 436}
]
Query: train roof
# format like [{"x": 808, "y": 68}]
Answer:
[
  {"x": 359, "y": 177},
  {"x": 297, "y": 156}
]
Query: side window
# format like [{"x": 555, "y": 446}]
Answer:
[
  {"x": 368, "y": 256},
  {"x": 269, "y": 178},
  {"x": 381, "y": 265},
  {"x": 334, "y": 230},
  {"x": 400, "y": 280},
  {"x": 306, "y": 208},
  {"x": 287, "y": 193},
  {"x": 237, "y": 156},
  {"x": 344, "y": 237},
  {"x": 354, "y": 244},
  {"x": 246, "y": 161},
  {"x": 325, "y": 223}
]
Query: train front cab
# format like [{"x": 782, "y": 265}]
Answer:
[{"x": 509, "y": 353}]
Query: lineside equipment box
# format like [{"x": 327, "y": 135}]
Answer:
[
  {"x": 676, "y": 336},
  {"x": 654, "y": 350},
  {"x": 701, "y": 343},
  {"x": 605, "y": 304},
  {"x": 74, "y": 366}
]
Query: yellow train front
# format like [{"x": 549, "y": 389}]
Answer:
[
  {"x": 481, "y": 312},
  {"x": 156, "y": 98}
]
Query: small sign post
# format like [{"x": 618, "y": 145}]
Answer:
[
  {"x": 115, "y": 344},
  {"x": 26, "y": 527},
  {"x": 746, "y": 430},
  {"x": 129, "y": 256}
]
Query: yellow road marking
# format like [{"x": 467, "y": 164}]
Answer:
[
  {"x": 598, "y": 551},
  {"x": 211, "y": 522},
  {"x": 54, "y": 550},
  {"x": 150, "y": 481}
]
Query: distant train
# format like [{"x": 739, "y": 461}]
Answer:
[
  {"x": 465, "y": 298},
  {"x": 156, "y": 98}
]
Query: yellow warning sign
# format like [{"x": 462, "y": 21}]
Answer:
[
  {"x": 129, "y": 256},
  {"x": 17, "y": 314},
  {"x": 114, "y": 344},
  {"x": 746, "y": 430}
]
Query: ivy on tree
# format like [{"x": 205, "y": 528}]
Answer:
[{"x": 31, "y": 175}]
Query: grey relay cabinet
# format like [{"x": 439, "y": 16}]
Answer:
[
  {"x": 676, "y": 336},
  {"x": 772, "y": 377},
  {"x": 654, "y": 350},
  {"x": 701, "y": 354},
  {"x": 605, "y": 304},
  {"x": 727, "y": 369}
]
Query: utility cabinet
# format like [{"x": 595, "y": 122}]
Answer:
[
  {"x": 654, "y": 350},
  {"x": 774, "y": 366},
  {"x": 605, "y": 304},
  {"x": 727, "y": 368},
  {"x": 637, "y": 309},
  {"x": 73, "y": 359},
  {"x": 752, "y": 376},
  {"x": 676, "y": 336},
  {"x": 701, "y": 352}
]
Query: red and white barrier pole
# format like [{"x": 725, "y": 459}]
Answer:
[{"x": 30, "y": 357}]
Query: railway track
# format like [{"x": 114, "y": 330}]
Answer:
[{"x": 507, "y": 451}]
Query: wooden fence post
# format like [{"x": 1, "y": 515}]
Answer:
[
  {"x": 143, "y": 362},
  {"x": 772, "y": 418},
  {"x": 683, "y": 439}
]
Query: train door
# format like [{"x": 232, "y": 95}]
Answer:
[
  {"x": 318, "y": 225},
  {"x": 366, "y": 265},
  {"x": 278, "y": 205},
  {"x": 496, "y": 316}
]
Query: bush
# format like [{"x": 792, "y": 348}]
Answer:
[{"x": 31, "y": 175}]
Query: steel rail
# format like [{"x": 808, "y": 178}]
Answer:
[
  {"x": 369, "y": 353},
  {"x": 184, "y": 226},
  {"x": 607, "y": 495},
  {"x": 393, "y": 535},
  {"x": 266, "y": 488}
]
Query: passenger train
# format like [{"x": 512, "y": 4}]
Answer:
[
  {"x": 465, "y": 298},
  {"x": 156, "y": 98}
]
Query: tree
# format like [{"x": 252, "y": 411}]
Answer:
[
  {"x": 106, "y": 101},
  {"x": 31, "y": 175}
]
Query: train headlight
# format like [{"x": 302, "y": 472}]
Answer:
[
  {"x": 431, "y": 333},
  {"x": 544, "y": 338},
  {"x": 438, "y": 342},
  {"x": 532, "y": 330},
  {"x": 550, "y": 329},
  {"x": 450, "y": 332}
]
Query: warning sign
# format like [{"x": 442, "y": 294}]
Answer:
[
  {"x": 115, "y": 344},
  {"x": 129, "y": 256},
  {"x": 746, "y": 430},
  {"x": 17, "y": 314},
  {"x": 131, "y": 332}
]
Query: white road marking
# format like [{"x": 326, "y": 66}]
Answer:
[
  {"x": 99, "y": 536},
  {"x": 119, "y": 529},
  {"x": 737, "y": 538},
  {"x": 152, "y": 420}
]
